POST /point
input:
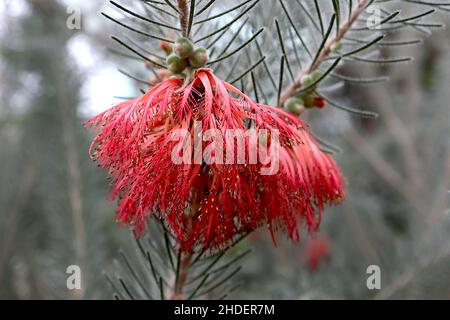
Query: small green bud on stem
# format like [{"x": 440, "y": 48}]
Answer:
[
  {"x": 175, "y": 64},
  {"x": 307, "y": 80},
  {"x": 183, "y": 48}
]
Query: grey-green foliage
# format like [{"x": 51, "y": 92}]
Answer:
[{"x": 396, "y": 211}]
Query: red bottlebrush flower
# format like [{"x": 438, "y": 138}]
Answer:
[
  {"x": 318, "y": 250},
  {"x": 319, "y": 102},
  {"x": 168, "y": 153}
]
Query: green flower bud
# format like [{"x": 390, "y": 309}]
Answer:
[
  {"x": 295, "y": 106},
  {"x": 309, "y": 100},
  {"x": 173, "y": 58},
  {"x": 183, "y": 48},
  {"x": 199, "y": 58},
  {"x": 175, "y": 64}
]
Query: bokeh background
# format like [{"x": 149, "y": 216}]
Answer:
[{"x": 54, "y": 210}]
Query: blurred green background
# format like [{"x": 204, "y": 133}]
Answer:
[{"x": 54, "y": 208}]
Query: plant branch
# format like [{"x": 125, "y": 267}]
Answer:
[
  {"x": 184, "y": 262},
  {"x": 326, "y": 51},
  {"x": 407, "y": 277}
]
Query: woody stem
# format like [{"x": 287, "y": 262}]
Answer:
[
  {"x": 326, "y": 50},
  {"x": 184, "y": 14}
]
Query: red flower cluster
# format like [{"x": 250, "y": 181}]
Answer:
[{"x": 209, "y": 204}]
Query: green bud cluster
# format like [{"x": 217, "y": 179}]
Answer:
[
  {"x": 186, "y": 56},
  {"x": 306, "y": 98}
]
